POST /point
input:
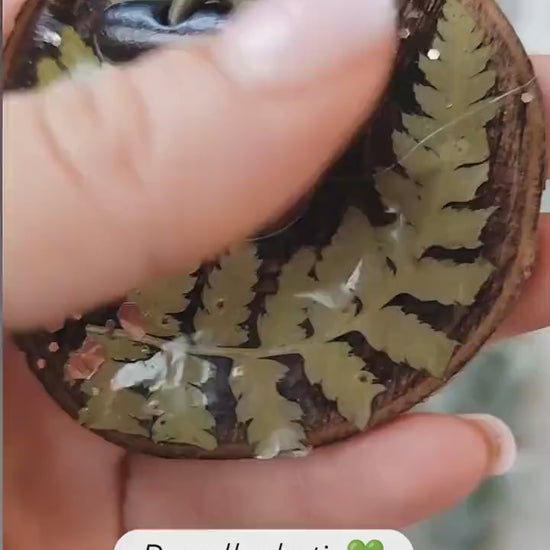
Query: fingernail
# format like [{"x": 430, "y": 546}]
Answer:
[
  {"x": 501, "y": 441},
  {"x": 278, "y": 42}
]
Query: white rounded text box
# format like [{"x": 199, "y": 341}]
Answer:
[{"x": 263, "y": 540}]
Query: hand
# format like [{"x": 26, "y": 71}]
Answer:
[{"x": 105, "y": 169}]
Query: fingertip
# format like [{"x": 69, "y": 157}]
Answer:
[
  {"x": 283, "y": 43},
  {"x": 500, "y": 441},
  {"x": 430, "y": 463}
]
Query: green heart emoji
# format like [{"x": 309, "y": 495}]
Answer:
[{"x": 360, "y": 545}]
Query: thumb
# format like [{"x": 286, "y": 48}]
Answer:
[{"x": 156, "y": 165}]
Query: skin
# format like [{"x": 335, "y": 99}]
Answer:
[{"x": 66, "y": 488}]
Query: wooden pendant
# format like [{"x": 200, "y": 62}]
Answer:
[{"x": 413, "y": 247}]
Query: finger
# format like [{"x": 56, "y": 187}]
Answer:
[
  {"x": 154, "y": 166},
  {"x": 61, "y": 483},
  {"x": 10, "y": 11},
  {"x": 391, "y": 477}
]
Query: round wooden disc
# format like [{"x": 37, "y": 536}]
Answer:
[{"x": 415, "y": 244}]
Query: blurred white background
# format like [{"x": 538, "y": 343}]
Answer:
[{"x": 511, "y": 380}]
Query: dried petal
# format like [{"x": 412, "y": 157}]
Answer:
[
  {"x": 85, "y": 362},
  {"x": 132, "y": 320}
]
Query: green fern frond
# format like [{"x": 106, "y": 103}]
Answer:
[
  {"x": 285, "y": 310},
  {"x": 453, "y": 229},
  {"x": 405, "y": 339},
  {"x": 75, "y": 58},
  {"x": 121, "y": 410},
  {"x": 346, "y": 264},
  {"x": 444, "y": 154},
  {"x": 343, "y": 379},
  {"x": 184, "y": 417},
  {"x": 446, "y": 282},
  {"x": 226, "y": 297},
  {"x": 48, "y": 70},
  {"x": 121, "y": 349},
  {"x": 74, "y": 52},
  {"x": 158, "y": 300},
  {"x": 273, "y": 422},
  {"x": 327, "y": 298}
]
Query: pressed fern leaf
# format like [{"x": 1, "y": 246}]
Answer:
[
  {"x": 344, "y": 264},
  {"x": 454, "y": 229},
  {"x": 164, "y": 368},
  {"x": 226, "y": 297},
  {"x": 184, "y": 417},
  {"x": 161, "y": 298},
  {"x": 108, "y": 409},
  {"x": 273, "y": 422},
  {"x": 445, "y": 153},
  {"x": 75, "y": 57},
  {"x": 404, "y": 338},
  {"x": 48, "y": 70},
  {"x": 177, "y": 402},
  {"x": 121, "y": 349},
  {"x": 458, "y": 153},
  {"x": 343, "y": 380},
  {"x": 286, "y": 310},
  {"x": 444, "y": 162},
  {"x": 446, "y": 282},
  {"x": 327, "y": 299},
  {"x": 73, "y": 50}
]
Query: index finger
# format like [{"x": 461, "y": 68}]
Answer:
[{"x": 119, "y": 186}]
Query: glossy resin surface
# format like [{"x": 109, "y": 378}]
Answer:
[{"x": 411, "y": 249}]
